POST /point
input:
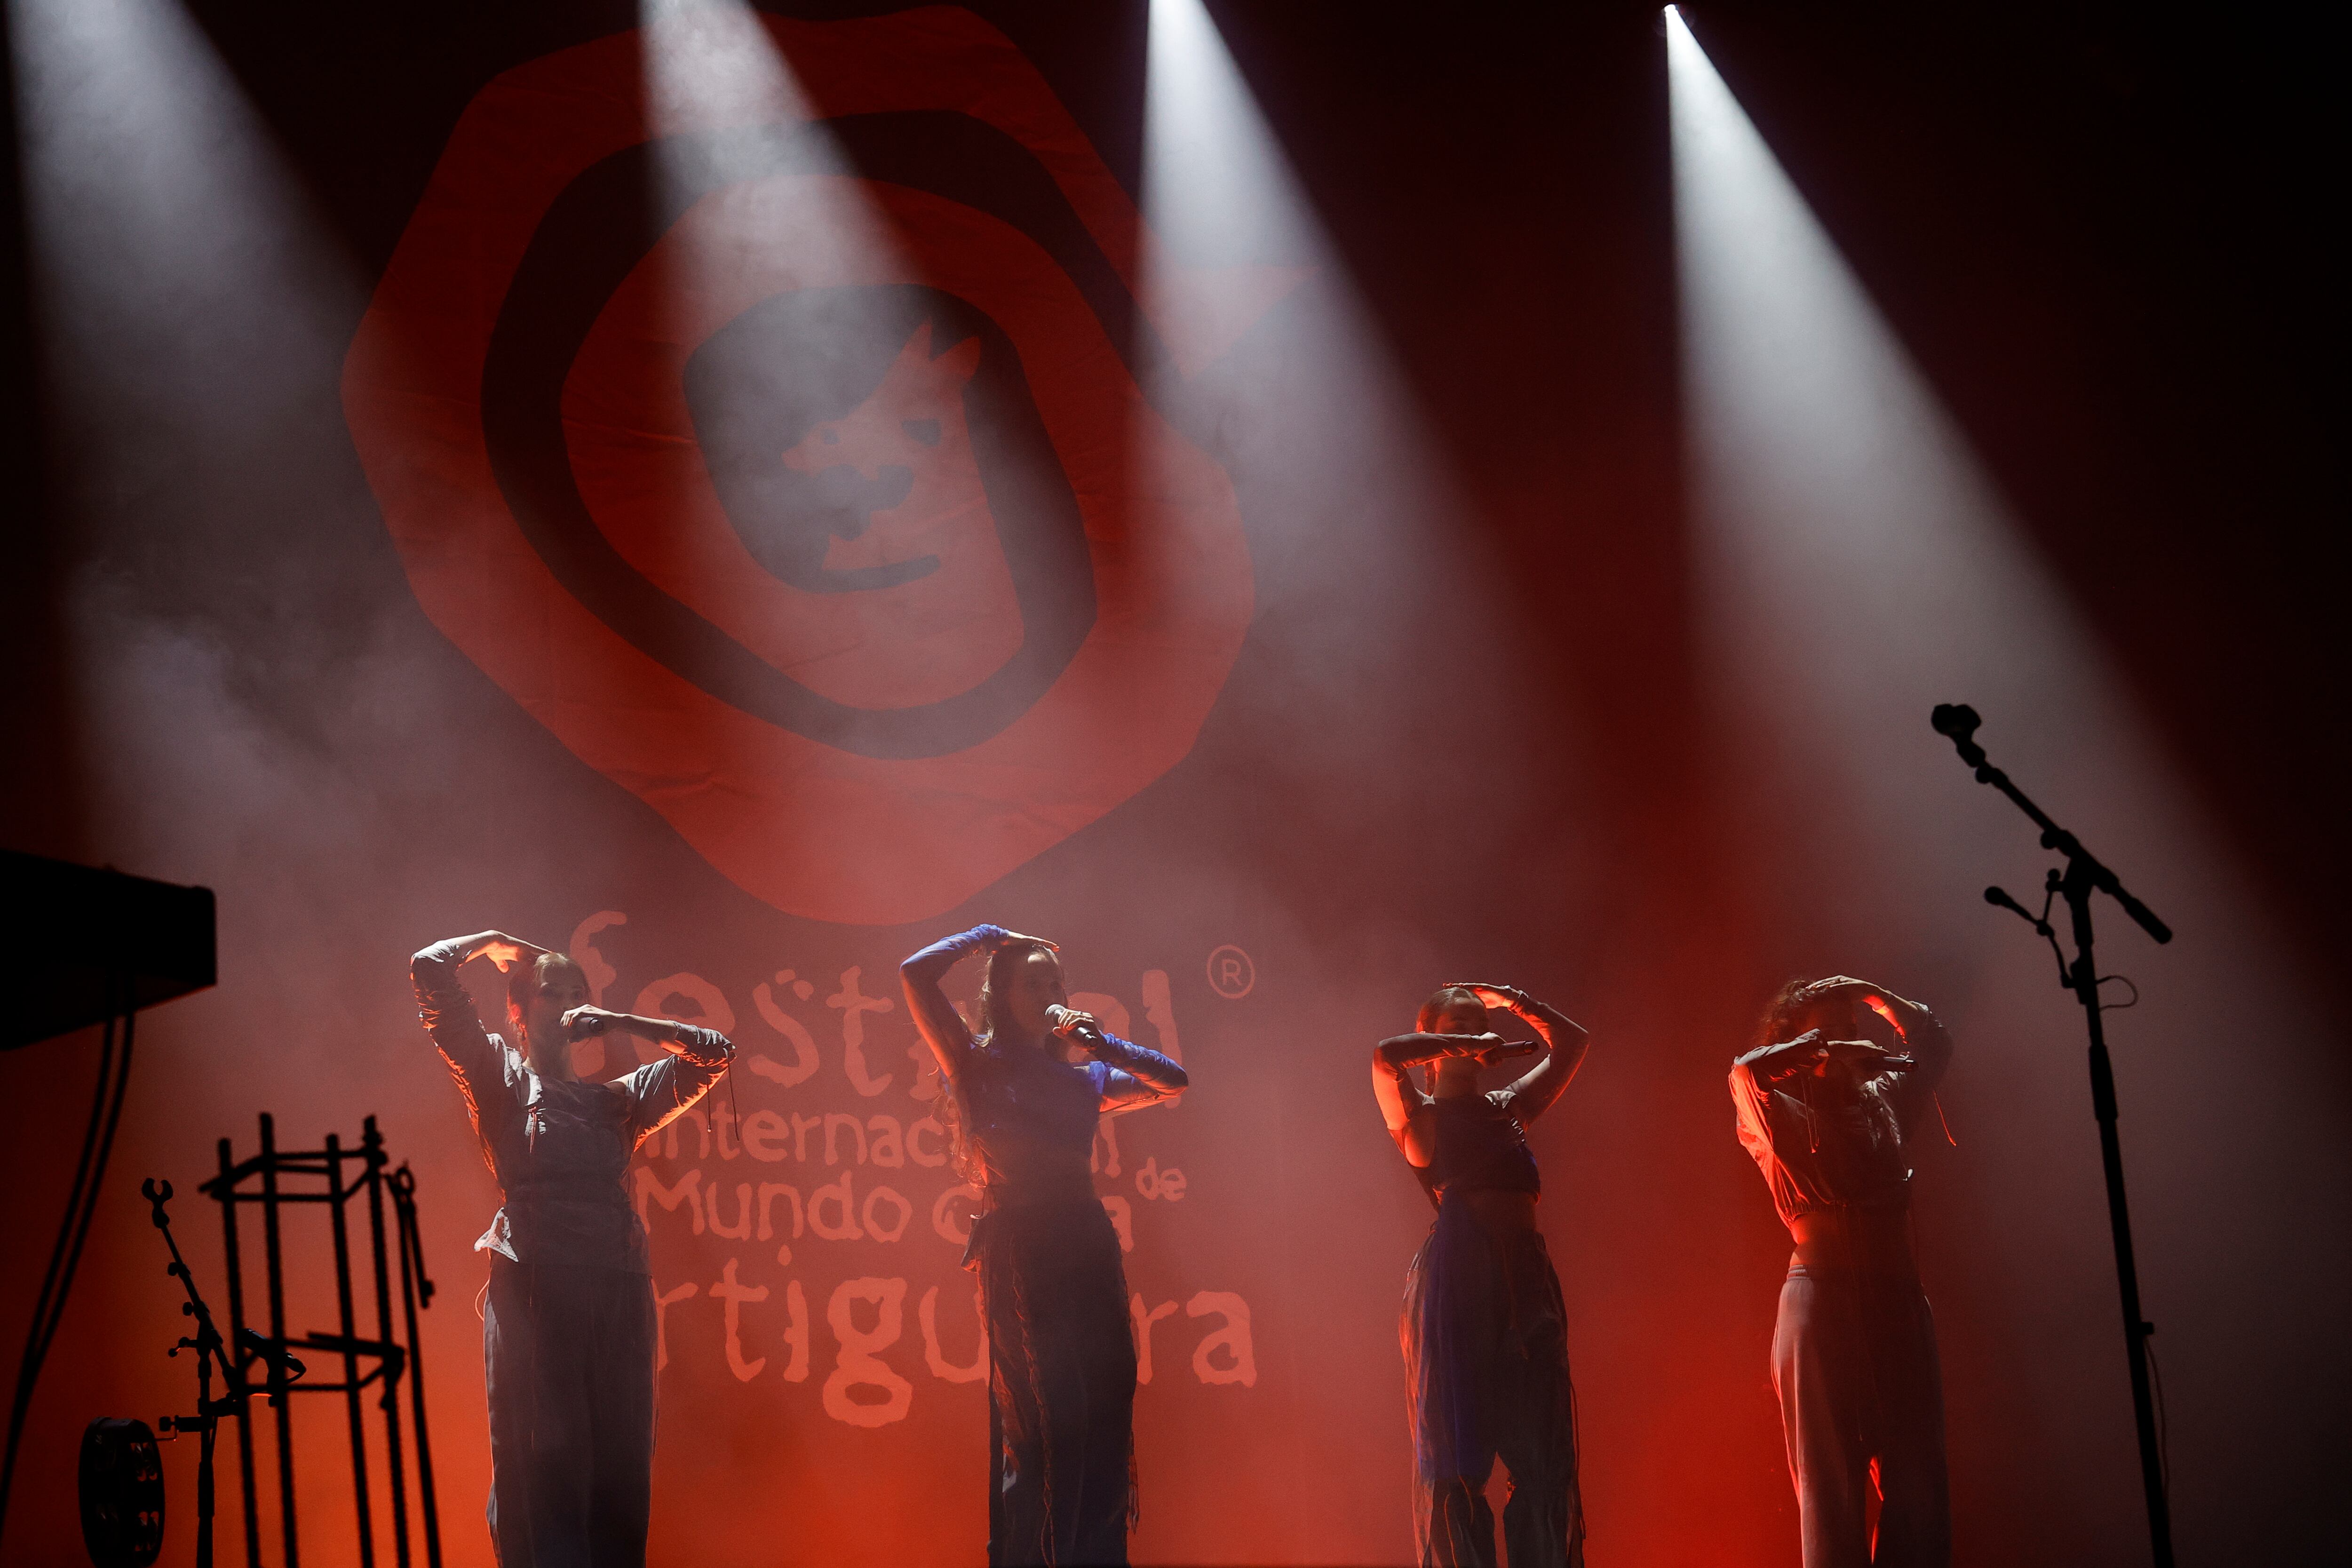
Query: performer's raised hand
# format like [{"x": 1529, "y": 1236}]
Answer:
[
  {"x": 1072, "y": 1025},
  {"x": 1867, "y": 1058},
  {"x": 587, "y": 1023},
  {"x": 505, "y": 951},
  {"x": 1563, "y": 1040},
  {"x": 1509, "y": 998},
  {"x": 1000, "y": 937},
  {"x": 1863, "y": 991},
  {"x": 1838, "y": 983}
]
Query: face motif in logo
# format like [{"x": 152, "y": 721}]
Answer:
[{"x": 867, "y": 565}]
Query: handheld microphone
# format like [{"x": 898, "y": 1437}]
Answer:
[
  {"x": 1878, "y": 1060},
  {"x": 1067, "y": 1024},
  {"x": 587, "y": 1028}
]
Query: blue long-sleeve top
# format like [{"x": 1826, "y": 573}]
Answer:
[
  {"x": 559, "y": 1148},
  {"x": 1029, "y": 1118}
]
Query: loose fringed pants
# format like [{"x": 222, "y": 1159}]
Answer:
[
  {"x": 1861, "y": 1403},
  {"x": 1485, "y": 1349},
  {"x": 1062, "y": 1381},
  {"x": 568, "y": 1354}
]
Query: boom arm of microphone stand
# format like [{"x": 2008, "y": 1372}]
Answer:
[{"x": 2052, "y": 835}]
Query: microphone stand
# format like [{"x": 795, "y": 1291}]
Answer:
[
  {"x": 210, "y": 1348},
  {"x": 2084, "y": 876}
]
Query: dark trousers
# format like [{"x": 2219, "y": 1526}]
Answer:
[
  {"x": 1062, "y": 1385},
  {"x": 1486, "y": 1342},
  {"x": 568, "y": 1354},
  {"x": 1861, "y": 1404}
]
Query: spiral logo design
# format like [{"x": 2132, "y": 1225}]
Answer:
[{"x": 868, "y": 567}]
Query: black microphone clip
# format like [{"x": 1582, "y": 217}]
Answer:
[{"x": 262, "y": 1347}]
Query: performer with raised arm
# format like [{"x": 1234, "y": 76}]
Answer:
[
  {"x": 1484, "y": 1328},
  {"x": 1841, "y": 1074},
  {"x": 568, "y": 1323},
  {"x": 1052, "y": 1292}
]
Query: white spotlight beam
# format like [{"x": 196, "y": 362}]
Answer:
[{"x": 1859, "y": 566}]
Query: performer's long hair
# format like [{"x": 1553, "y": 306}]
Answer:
[
  {"x": 993, "y": 1006},
  {"x": 1786, "y": 1015}
]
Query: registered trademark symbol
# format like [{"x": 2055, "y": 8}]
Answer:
[{"x": 1231, "y": 973}]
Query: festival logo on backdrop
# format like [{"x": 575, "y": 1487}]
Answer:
[
  {"x": 808, "y": 1222},
  {"x": 852, "y": 547}
]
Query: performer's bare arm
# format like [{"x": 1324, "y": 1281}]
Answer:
[{"x": 1564, "y": 1045}]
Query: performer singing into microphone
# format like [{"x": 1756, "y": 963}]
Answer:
[
  {"x": 1052, "y": 1292},
  {"x": 1840, "y": 1077},
  {"x": 1484, "y": 1328},
  {"x": 568, "y": 1323}
]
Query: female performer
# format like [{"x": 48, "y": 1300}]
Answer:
[
  {"x": 1053, "y": 1294},
  {"x": 568, "y": 1321},
  {"x": 1842, "y": 1073},
  {"x": 1485, "y": 1331}
]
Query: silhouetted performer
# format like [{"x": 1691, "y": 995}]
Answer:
[
  {"x": 1842, "y": 1073},
  {"x": 568, "y": 1323},
  {"x": 1053, "y": 1293},
  {"x": 1485, "y": 1331}
]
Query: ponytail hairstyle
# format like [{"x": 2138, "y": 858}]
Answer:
[
  {"x": 992, "y": 1014},
  {"x": 1441, "y": 1001}
]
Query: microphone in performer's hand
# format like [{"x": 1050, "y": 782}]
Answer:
[
  {"x": 1071, "y": 1025},
  {"x": 1872, "y": 1058},
  {"x": 585, "y": 1024}
]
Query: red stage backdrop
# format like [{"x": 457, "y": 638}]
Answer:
[
  {"x": 869, "y": 567},
  {"x": 531, "y": 390}
]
